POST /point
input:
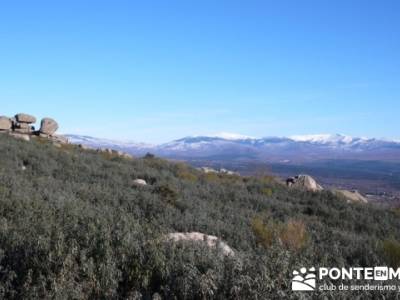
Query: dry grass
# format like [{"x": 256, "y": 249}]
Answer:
[
  {"x": 184, "y": 172},
  {"x": 292, "y": 234}
]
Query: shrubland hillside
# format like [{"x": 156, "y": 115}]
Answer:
[{"x": 74, "y": 225}]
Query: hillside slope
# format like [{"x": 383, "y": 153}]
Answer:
[{"x": 73, "y": 225}]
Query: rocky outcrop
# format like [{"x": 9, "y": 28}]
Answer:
[
  {"x": 22, "y": 123},
  {"x": 5, "y": 123},
  {"x": 228, "y": 172},
  {"x": 220, "y": 171},
  {"x": 210, "y": 240},
  {"x": 207, "y": 170},
  {"x": 48, "y": 126},
  {"x": 58, "y": 139},
  {"x": 25, "y": 118},
  {"x": 114, "y": 152},
  {"x": 21, "y": 127},
  {"x": 351, "y": 196},
  {"x": 139, "y": 182},
  {"x": 304, "y": 182}
]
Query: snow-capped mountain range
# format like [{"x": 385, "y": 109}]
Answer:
[{"x": 228, "y": 146}]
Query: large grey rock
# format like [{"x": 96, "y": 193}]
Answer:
[
  {"x": 23, "y": 130},
  {"x": 351, "y": 196},
  {"x": 5, "y": 123},
  {"x": 304, "y": 182},
  {"x": 139, "y": 182},
  {"x": 207, "y": 170},
  {"x": 228, "y": 172},
  {"x": 25, "y": 118},
  {"x": 210, "y": 240},
  {"x": 23, "y": 126},
  {"x": 42, "y": 135},
  {"x": 48, "y": 126}
]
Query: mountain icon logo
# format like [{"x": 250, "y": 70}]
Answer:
[{"x": 305, "y": 280}]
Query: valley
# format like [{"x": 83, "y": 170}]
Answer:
[{"x": 371, "y": 166}]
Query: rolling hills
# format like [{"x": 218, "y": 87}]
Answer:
[
  {"x": 296, "y": 149},
  {"x": 371, "y": 166},
  {"x": 74, "y": 225}
]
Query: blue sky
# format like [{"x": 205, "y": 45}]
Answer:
[{"x": 153, "y": 71}]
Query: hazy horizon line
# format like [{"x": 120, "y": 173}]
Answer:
[{"x": 237, "y": 136}]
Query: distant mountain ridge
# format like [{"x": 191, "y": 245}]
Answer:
[
  {"x": 273, "y": 149},
  {"x": 95, "y": 142}
]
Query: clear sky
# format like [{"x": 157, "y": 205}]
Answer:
[{"x": 153, "y": 71}]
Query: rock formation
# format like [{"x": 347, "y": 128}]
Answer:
[
  {"x": 207, "y": 170},
  {"x": 21, "y": 127},
  {"x": 308, "y": 183},
  {"x": 22, "y": 123},
  {"x": 112, "y": 152},
  {"x": 220, "y": 171},
  {"x": 139, "y": 182},
  {"x": 351, "y": 196},
  {"x": 25, "y": 118},
  {"x": 48, "y": 126},
  {"x": 5, "y": 123},
  {"x": 304, "y": 182},
  {"x": 228, "y": 172},
  {"x": 210, "y": 240}
]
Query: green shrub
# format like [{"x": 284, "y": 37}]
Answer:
[
  {"x": 391, "y": 249},
  {"x": 265, "y": 235},
  {"x": 267, "y": 192},
  {"x": 72, "y": 227},
  {"x": 184, "y": 172}
]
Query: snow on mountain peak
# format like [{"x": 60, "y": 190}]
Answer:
[
  {"x": 231, "y": 136},
  {"x": 323, "y": 138}
]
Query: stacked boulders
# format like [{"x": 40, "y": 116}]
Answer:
[
  {"x": 21, "y": 127},
  {"x": 22, "y": 123}
]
